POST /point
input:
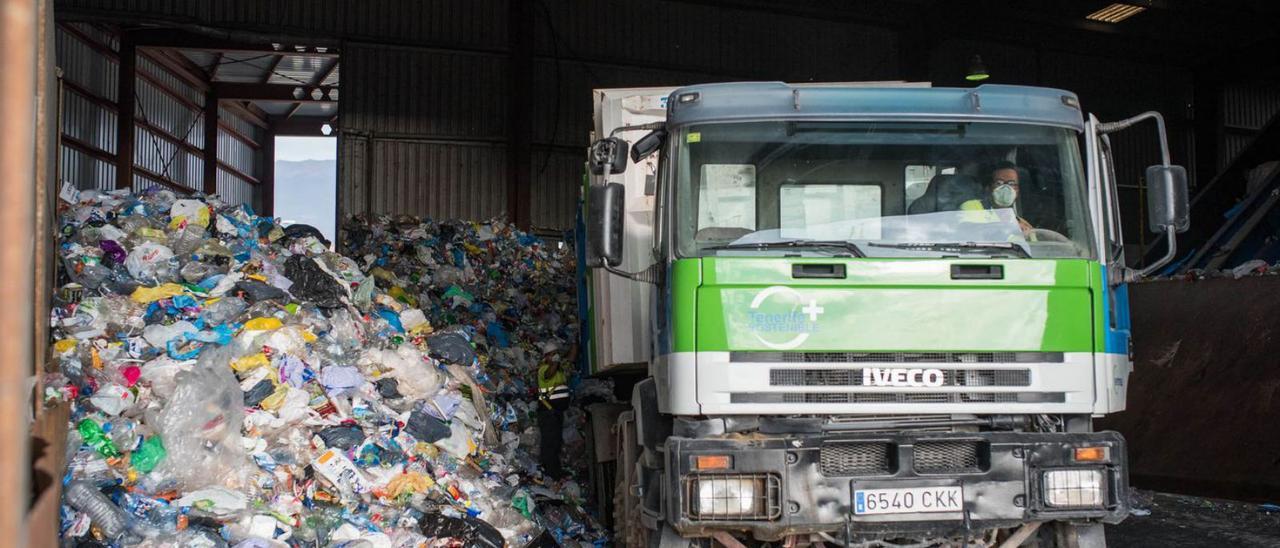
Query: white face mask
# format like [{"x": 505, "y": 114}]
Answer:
[{"x": 1004, "y": 195}]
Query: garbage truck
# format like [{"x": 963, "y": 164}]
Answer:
[{"x": 864, "y": 314}]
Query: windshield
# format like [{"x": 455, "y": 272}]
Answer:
[{"x": 880, "y": 190}]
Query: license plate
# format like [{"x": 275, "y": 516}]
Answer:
[{"x": 909, "y": 500}]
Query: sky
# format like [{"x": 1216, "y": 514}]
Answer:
[
  {"x": 306, "y": 148},
  {"x": 306, "y": 182}
]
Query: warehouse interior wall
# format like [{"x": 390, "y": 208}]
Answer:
[
  {"x": 169, "y": 137},
  {"x": 480, "y": 108}
]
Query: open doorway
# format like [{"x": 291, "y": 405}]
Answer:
[{"x": 306, "y": 172}]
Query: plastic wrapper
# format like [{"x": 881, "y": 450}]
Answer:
[
  {"x": 200, "y": 426},
  {"x": 150, "y": 263}
]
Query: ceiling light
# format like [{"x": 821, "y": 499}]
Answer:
[
  {"x": 977, "y": 70},
  {"x": 1115, "y": 13}
]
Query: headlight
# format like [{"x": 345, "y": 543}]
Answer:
[
  {"x": 734, "y": 496},
  {"x": 1077, "y": 488}
]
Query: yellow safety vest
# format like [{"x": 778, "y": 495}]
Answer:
[{"x": 555, "y": 387}]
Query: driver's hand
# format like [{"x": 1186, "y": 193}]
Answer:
[{"x": 1024, "y": 225}]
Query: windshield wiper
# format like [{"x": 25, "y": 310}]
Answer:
[
  {"x": 959, "y": 247},
  {"x": 848, "y": 246}
]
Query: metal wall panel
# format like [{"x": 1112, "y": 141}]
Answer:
[
  {"x": 439, "y": 180},
  {"x": 240, "y": 124},
  {"x": 1249, "y": 105},
  {"x": 170, "y": 80},
  {"x": 88, "y": 121},
  {"x": 161, "y": 110},
  {"x": 557, "y": 187},
  {"x": 424, "y": 93},
  {"x": 1232, "y": 145},
  {"x": 353, "y": 151},
  {"x": 237, "y": 154},
  {"x": 102, "y": 36},
  {"x": 86, "y": 172},
  {"x": 85, "y": 66},
  {"x": 235, "y": 190},
  {"x": 165, "y": 158}
]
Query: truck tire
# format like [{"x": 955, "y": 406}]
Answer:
[
  {"x": 669, "y": 538},
  {"x": 1060, "y": 534},
  {"x": 626, "y": 505}
]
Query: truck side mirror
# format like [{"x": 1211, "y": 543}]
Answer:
[
  {"x": 648, "y": 144},
  {"x": 1167, "y": 198},
  {"x": 604, "y": 235},
  {"x": 607, "y": 156}
]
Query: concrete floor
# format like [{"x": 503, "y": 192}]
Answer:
[{"x": 1191, "y": 522}]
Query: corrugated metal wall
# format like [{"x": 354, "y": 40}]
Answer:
[
  {"x": 1246, "y": 108},
  {"x": 88, "y": 113},
  {"x": 169, "y": 119}
]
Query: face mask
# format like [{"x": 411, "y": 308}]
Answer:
[{"x": 1004, "y": 195}]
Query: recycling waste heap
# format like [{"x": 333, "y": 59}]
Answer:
[{"x": 233, "y": 382}]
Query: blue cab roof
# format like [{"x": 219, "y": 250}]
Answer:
[{"x": 761, "y": 101}]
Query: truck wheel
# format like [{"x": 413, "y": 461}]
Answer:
[
  {"x": 1069, "y": 535},
  {"x": 669, "y": 538}
]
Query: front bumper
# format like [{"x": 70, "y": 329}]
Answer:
[{"x": 999, "y": 472}]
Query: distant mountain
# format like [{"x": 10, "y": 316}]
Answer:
[{"x": 306, "y": 172}]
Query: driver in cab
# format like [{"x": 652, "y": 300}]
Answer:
[{"x": 1001, "y": 193}]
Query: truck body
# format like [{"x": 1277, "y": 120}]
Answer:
[{"x": 845, "y": 328}]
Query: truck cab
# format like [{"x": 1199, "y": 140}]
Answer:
[{"x": 870, "y": 312}]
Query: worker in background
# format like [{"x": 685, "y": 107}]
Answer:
[
  {"x": 1001, "y": 193},
  {"x": 553, "y": 401}
]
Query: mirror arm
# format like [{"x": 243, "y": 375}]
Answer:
[
  {"x": 1112, "y": 127},
  {"x": 648, "y": 275},
  {"x": 1171, "y": 235},
  {"x": 649, "y": 126}
]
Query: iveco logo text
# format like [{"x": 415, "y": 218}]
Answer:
[{"x": 875, "y": 376}]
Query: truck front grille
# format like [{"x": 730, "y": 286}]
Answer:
[
  {"x": 856, "y": 459},
  {"x": 896, "y": 357},
  {"x": 897, "y": 397},
  {"x": 853, "y": 377},
  {"x": 949, "y": 457}
]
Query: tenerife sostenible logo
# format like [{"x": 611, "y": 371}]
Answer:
[{"x": 781, "y": 318}]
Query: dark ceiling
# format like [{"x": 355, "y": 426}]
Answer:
[{"x": 1197, "y": 34}]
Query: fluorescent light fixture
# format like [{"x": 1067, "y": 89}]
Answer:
[{"x": 1115, "y": 13}]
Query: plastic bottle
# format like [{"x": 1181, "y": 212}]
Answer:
[
  {"x": 93, "y": 435},
  {"x": 109, "y": 518}
]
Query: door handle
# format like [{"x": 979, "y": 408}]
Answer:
[
  {"x": 811, "y": 270},
  {"x": 977, "y": 272}
]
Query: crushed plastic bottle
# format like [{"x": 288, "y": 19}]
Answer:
[{"x": 105, "y": 515}]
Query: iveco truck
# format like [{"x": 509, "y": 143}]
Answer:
[{"x": 864, "y": 314}]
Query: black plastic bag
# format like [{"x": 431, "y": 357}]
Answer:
[
  {"x": 472, "y": 531},
  {"x": 301, "y": 231},
  {"x": 255, "y": 291},
  {"x": 451, "y": 347},
  {"x": 311, "y": 283},
  {"x": 343, "y": 437},
  {"x": 259, "y": 392},
  {"x": 426, "y": 428}
]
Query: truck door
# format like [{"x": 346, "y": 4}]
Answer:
[{"x": 1117, "y": 343}]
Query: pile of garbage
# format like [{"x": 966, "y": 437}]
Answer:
[
  {"x": 234, "y": 382},
  {"x": 1247, "y": 269}
]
